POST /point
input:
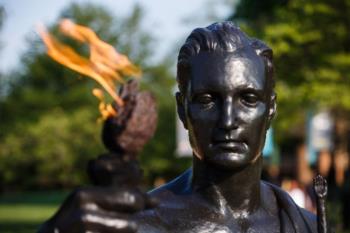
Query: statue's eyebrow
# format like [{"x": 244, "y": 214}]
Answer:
[
  {"x": 198, "y": 92},
  {"x": 251, "y": 87}
]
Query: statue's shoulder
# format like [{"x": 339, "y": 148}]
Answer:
[
  {"x": 178, "y": 186},
  {"x": 173, "y": 199},
  {"x": 291, "y": 212}
]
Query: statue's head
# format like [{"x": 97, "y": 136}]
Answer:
[{"x": 226, "y": 99}]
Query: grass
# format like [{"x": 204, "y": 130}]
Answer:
[{"x": 24, "y": 212}]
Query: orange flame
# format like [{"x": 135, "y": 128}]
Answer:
[
  {"x": 106, "y": 110},
  {"x": 105, "y": 64}
]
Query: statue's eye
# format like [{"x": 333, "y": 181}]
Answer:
[
  {"x": 249, "y": 99},
  {"x": 204, "y": 99}
]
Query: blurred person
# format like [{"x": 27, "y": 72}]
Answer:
[
  {"x": 271, "y": 173},
  {"x": 346, "y": 201},
  {"x": 324, "y": 162},
  {"x": 329, "y": 165},
  {"x": 299, "y": 194},
  {"x": 291, "y": 186},
  {"x": 341, "y": 163},
  {"x": 342, "y": 180}
]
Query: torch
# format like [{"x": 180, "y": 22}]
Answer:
[
  {"x": 129, "y": 122},
  {"x": 124, "y": 136}
]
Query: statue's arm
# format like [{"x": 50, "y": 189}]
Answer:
[{"x": 98, "y": 209}]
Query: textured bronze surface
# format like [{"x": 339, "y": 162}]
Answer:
[
  {"x": 114, "y": 170},
  {"x": 135, "y": 124},
  {"x": 321, "y": 190}
]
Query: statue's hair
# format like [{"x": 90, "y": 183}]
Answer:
[{"x": 219, "y": 37}]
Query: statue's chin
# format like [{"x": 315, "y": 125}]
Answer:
[{"x": 229, "y": 160}]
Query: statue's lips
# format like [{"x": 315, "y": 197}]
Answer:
[{"x": 231, "y": 146}]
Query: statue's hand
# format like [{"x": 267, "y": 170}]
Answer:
[
  {"x": 98, "y": 209},
  {"x": 320, "y": 186}
]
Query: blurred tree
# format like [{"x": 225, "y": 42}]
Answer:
[
  {"x": 48, "y": 127},
  {"x": 158, "y": 157},
  {"x": 311, "y": 43}
]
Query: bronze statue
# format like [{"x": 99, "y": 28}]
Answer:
[
  {"x": 320, "y": 188},
  {"x": 226, "y": 101}
]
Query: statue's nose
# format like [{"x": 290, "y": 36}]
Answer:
[{"x": 228, "y": 118}]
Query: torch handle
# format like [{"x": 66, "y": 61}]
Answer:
[{"x": 114, "y": 170}]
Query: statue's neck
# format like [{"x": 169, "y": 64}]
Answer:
[{"x": 236, "y": 190}]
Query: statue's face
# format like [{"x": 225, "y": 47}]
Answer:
[{"x": 227, "y": 107}]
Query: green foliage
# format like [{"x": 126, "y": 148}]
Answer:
[
  {"x": 311, "y": 44},
  {"x": 48, "y": 128},
  {"x": 158, "y": 158},
  {"x": 51, "y": 150}
]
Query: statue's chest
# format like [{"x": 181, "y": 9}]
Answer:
[{"x": 206, "y": 221}]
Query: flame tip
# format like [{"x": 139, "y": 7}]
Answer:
[{"x": 105, "y": 64}]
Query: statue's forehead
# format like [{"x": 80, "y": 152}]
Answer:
[
  {"x": 223, "y": 58},
  {"x": 237, "y": 68}
]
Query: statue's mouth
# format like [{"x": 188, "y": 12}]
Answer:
[{"x": 231, "y": 146}]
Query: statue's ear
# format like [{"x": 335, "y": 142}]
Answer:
[
  {"x": 272, "y": 108},
  {"x": 181, "y": 108}
]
